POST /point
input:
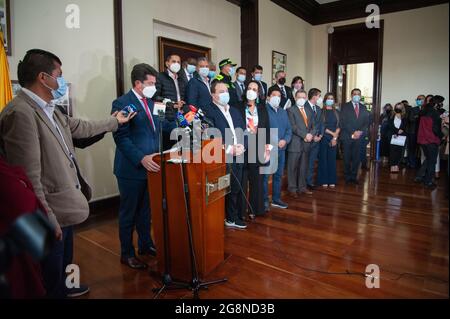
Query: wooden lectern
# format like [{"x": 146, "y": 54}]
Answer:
[{"x": 208, "y": 185}]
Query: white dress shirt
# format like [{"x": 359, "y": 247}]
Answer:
[{"x": 226, "y": 112}]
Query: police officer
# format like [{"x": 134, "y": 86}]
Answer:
[{"x": 227, "y": 72}]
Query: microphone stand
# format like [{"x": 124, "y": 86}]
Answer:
[
  {"x": 196, "y": 284},
  {"x": 167, "y": 282}
]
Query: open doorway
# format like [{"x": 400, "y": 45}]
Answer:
[
  {"x": 360, "y": 75},
  {"x": 355, "y": 61}
]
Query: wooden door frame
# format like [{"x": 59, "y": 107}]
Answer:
[{"x": 378, "y": 72}]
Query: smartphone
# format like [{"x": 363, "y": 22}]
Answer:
[{"x": 129, "y": 109}]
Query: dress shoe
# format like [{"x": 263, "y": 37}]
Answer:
[
  {"x": 430, "y": 186},
  {"x": 311, "y": 187},
  {"x": 133, "y": 263},
  {"x": 306, "y": 191},
  {"x": 293, "y": 195},
  {"x": 148, "y": 252}
]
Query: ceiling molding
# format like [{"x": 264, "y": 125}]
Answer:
[{"x": 314, "y": 13}]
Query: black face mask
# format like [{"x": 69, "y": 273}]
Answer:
[
  {"x": 398, "y": 111},
  {"x": 282, "y": 81},
  {"x": 388, "y": 111}
]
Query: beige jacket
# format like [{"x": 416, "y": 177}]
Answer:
[{"x": 29, "y": 139}]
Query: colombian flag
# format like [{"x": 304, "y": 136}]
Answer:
[{"x": 5, "y": 83}]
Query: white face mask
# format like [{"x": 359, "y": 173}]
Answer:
[
  {"x": 319, "y": 101},
  {"x": 251, "y": 95},
  {"x": 149, "y": 91},
  {"x": 175, "y": 67},
  {"x": 301, "y": 102},
  {"x": 275, "y": 101}
]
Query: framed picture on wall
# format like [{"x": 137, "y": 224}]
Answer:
[
  {"x": 183, "y": 49},
  {"x": 5, "y": 24},
  {"x": 279, "y": 63},
  {"x": 65, "y": 102}
]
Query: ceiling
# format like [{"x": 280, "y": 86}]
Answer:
[
  {"x": 326, "y": 11},
  {"x": 325, "y": 1}
]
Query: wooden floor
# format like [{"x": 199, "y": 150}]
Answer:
[{"x": 387, "y": 220}]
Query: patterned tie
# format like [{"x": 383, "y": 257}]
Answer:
[
  {"x": 305, "y": 117},
  {"x": 149, "y": 115}
]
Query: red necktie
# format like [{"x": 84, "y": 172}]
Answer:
[
  {"x": 149, "y": 115},
  {"x": 357, "y": 110}
]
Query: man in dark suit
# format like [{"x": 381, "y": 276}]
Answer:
[
  {"x": 286, "y": 91},
  {"x": 301, "y": 120},
  {"x": 239, "y": 84},
  {"x": 189, "y": 68},
  {"x": 198, "y": 89},
  {"x": 230, "y": 123},
  {"x": 354, "y": 123},
  {"x": 314, "y": 98},
  {"x": 137, "y": 143},
  {"x": 257, "y": 75}
]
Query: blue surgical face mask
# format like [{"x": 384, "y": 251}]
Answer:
[
  {"x": 356, "y": 99},
  {"x": 62, "y": 87},
  {"x": 204, "y": 72},
  {"x": 224, "y": 98},
  {"x": 258, "y": 77},
  {"x": 329, "y": 102},
  {"x": 232, "y": 71},
  {"x": 191, "y": 68},
  {"x": 419, "y": 102},
  {"x": 212, "y": 74},
  {"x": 241, "y": 78}
]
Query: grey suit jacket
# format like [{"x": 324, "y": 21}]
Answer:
[
  {"x": 29, "y": 139},
  {"x": 299, "y": 129}
]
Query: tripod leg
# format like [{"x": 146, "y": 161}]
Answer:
[
  {"x": 214, "y": 282},
  {"x": 158, "y": 291}
]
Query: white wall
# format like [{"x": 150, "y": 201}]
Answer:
[
  {"x": 88, "y": 53},
  {"x": 211, "y": 23},
  {"x": 415, "y": 56},
  {"x": 88, "y": 63},
  {"x": 284, "y": 32}
]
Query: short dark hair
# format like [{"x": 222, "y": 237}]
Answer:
[
  {"x": 354, "y": 90},
  {"x": 313, "y": 92},
  {"x": 214, "y": 84},
  {"x": 170, "y": 55},
  {"x": 35, "y": 62},
  {"x": 295, "y": 79},
  {"x": 279, "y": 72},
  {"x": 257, "y": 68},
  {"x": 240, "y": 68},
  {"x": 273, "y": 89},
  {"x": 140, "y": 73},
  {"x": 298, "y": 92}
]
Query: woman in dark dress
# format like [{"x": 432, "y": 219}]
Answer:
[
  {"x": 397, "y": 127},
  {"x": 256, "y": 118},
  {"x": 384, "y": 132},
  {"x": 328, "y": 145}
]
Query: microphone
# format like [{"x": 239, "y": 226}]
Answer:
[
  {"x": 204, "y": 118},
  {"x": 200, "y": 115}
]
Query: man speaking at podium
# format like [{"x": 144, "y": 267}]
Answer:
[{"x": 137, "y": 143}]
